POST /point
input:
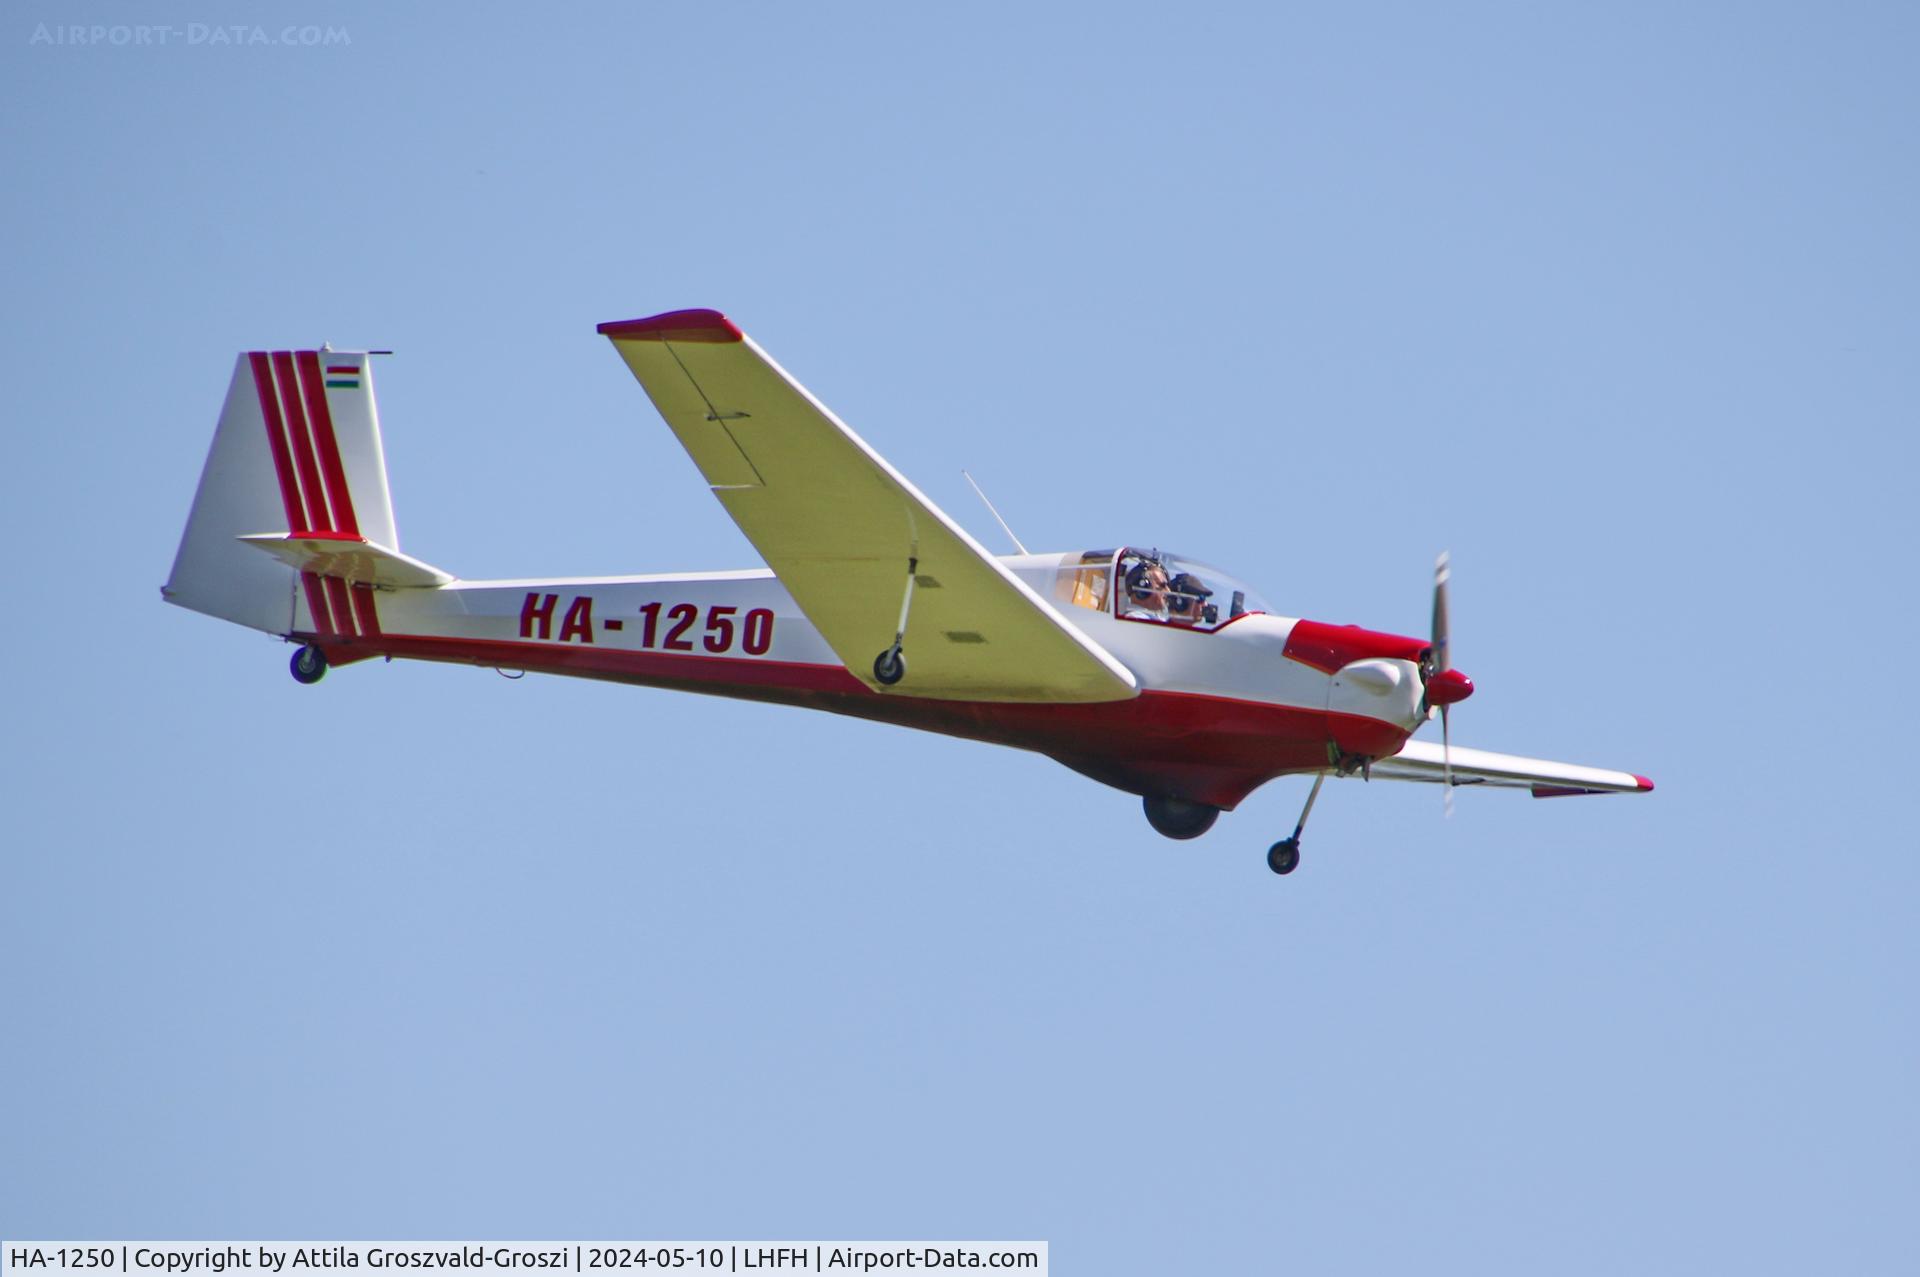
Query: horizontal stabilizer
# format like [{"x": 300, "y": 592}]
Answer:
[{"x": 354, "y": 560}]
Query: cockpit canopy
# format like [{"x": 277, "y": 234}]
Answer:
[{"x": 1154, "y": 586}]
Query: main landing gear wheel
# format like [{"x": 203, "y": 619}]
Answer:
[
  {"x": 890, "y": 666},
  {"x": 309, "y": 665},
  {"x": 1178, "y": 818}
]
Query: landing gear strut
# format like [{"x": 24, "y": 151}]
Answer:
[
  {"x": 891, "y": 665},
  {"x": 1284, "y": 856},
  {"x": 1178, "y": 818},
  {"x": 309, "y": 665}
]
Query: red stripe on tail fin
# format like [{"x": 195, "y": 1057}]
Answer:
[
  {"x": 342, "y": 604},
  {"x": 340, "y": 498},
  {"x": 276, "y": 437},
  {"x": 365, "y": 612},
  {"x": 317, "y": 602},
  {"x": 304, "y": 461}
]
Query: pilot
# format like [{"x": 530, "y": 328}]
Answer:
[
  {"x": 1187, "y": 597},
  {"x": 1146, "y": 592}
]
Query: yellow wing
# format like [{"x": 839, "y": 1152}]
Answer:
[{"x": 838, "y": 526}]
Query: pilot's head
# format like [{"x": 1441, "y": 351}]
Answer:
[
  {"x": 1187, "y": 597},
  {"x": 1147, "y": 584}
]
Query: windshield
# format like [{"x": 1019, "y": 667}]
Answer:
[{"x": 1155, "y": 586}]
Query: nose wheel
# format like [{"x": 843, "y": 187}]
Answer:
[{"x": 1284, "y": 856}]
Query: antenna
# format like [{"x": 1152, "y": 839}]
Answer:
[{"x": 996, "y": 515}]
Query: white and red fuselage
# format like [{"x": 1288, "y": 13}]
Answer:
[{"x": 1219, "y": 711}]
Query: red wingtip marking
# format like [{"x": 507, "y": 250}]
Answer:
[
  {"x": 675, "y": 325},
  {"x": 1646, "y": 786}
]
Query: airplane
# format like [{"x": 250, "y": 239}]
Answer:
[{"x": 1143, "y": 669}]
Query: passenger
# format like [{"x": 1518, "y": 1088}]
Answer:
[
  {"x": 1187, "y": 601},
  {"x": 1146, "y": 592}
]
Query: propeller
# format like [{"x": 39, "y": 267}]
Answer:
[
  {"x": 1442, "y": 662},
  {"x": 1444, "y": 684}
]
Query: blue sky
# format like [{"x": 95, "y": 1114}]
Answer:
[{"x": 1615, "y": 304}]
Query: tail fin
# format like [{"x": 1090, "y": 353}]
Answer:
[{"x": 296, "y": 458}]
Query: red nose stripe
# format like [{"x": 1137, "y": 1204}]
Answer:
[{"x": 1329, "y": 648}]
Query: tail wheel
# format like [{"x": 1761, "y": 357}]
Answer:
[
  {"x": 309, "y": 665},
  {"x": 1178, "y": 818}
]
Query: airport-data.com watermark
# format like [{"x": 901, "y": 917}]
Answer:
[{"x": 187, "y": 35}]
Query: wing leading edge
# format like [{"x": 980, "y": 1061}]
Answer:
[
  {"x": 838, "y": 526},
  {"x": 1422, "y": 761}
]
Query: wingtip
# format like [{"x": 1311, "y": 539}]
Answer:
[
  {"x": 674, "y": 325},
  {"x": 1646, "y": 786}
]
